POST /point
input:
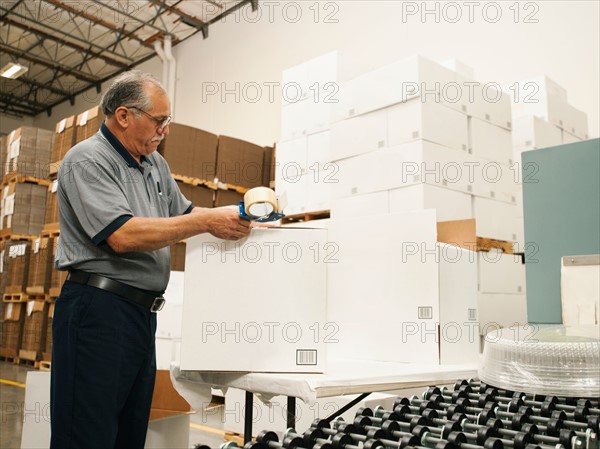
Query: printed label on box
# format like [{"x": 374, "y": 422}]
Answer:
[
  {"x": 15, "y": 148},
  {"x": 306, "y": 357},
  {"x": 1, "y": 260},
  {"x": 17, "y": 250},
  {"x": 54, "y": 186},
  {"x": 9, "y": 205},
  {"x": 61, "y": 125},
  {"x": 83, "y": 120},
  {"x": 36, "y": 246},
  {"x": 30, "y": 305},
  {"x": 9, "y": 310}
]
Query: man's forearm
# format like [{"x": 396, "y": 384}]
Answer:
[{"x": 148, "y": 234}]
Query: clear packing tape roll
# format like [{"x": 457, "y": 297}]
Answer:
[
  {"x": 262, "y": 205},
  {"x": 544, "y": 359}
]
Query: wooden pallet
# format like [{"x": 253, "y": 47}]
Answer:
[
  {"x": 236, "y": 438},
  {"x": 36, "y": 292},
  {"x": 6, "y": 234},
  {"x": 307, "y": 216},
  {"x": 53, "y": 170},
  {"x": 15, "y": 297},
  {"x": 9, "y": 359},
  {"x": 26, "y": 362},
  {"x": 28, "y": 356},
  {"x": 487, "y": 244},
  {"x": 53, "y": 293},
  {"x": 51, "y": 230},
  {"x": 45, "y": 365},
  {"x": 30, "y": 179}
]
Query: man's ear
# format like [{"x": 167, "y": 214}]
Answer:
[{"x": 122, "y": 116}]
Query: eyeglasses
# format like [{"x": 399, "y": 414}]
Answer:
[{"x": 161, "y": 123}]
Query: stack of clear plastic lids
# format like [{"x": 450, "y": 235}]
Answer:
[{"x": 544, "y": 359}]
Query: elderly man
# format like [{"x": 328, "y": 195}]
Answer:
[{"x": 120, "y": 209}]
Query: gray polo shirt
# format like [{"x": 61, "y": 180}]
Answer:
[{"x": 100, "y": 187}]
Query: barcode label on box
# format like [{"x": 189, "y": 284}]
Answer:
[
  {"x": 425, "y": 313},
  {"x": 472, "y": 314},
  {"x": 306, "y": 357}
]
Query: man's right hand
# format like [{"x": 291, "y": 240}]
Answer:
[{"x": 226, "y": 223}]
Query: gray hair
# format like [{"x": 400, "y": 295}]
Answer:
[{"x": 128, "y": 90}]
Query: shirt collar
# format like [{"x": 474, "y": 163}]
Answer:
[{"x": 118, "y": 146}]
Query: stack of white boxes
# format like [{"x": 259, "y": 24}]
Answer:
[
  {"x": 415, "y": 135},
  {"x": 302, "y": 170}
]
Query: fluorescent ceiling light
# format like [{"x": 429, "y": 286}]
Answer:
[{"x": 12, "y": 70}]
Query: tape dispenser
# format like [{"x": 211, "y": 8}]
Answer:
[{"x": 261, "y": 205}]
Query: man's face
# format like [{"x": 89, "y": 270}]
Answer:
[{"x": 144, "y": 133}]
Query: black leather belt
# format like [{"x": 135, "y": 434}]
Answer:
[{"x": 127, "y": 292}]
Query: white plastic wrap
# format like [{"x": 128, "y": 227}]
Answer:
[{"x": 544, "y": 359}]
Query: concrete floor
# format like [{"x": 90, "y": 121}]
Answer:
[{"x": 205, "y": 428}]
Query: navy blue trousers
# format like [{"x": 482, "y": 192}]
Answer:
[{"x": 103, "y": 370}]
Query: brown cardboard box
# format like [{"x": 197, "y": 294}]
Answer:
[
  {"x": 165, "y": 400},
  {"x": 51, "y": 215},
  {"x": 204, "y": 157},
  {"x": 27, "y": 152},
  {"x": 47, "y": 352},
  {"x": 40, "y": 266},
  {"x": 178, "y": 256},
  {"x": 23, "y": 208},
  {"x": 190, "y": 151},
  {"x": 64, "y": 138},
  {"x": 34, "y": 330},
  {"x": 177, "y": 148},
  {"x": 200, "y": 196},
  {"x": 88, "y": 123},
  {"x": 239, "y": 162},
  {"x": 462, "y": 233},
  {"x": 17, "y": 269},
  {"x": 227, "y": 198},
  {"x": 57, "y": 278},
  {"x": 268, "y": 166},
  {"x": 12, "y": 329}
]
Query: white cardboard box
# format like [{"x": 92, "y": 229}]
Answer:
[
  {"x": 359, "y": 135},
  {"x": 411, "y": 163},
  {"x": 304, "y": 117},
  {"x": 311, "y": 77},
  {"x": 567, "y": 137},
  {"x": 500, "y": 273},
  {"x": 486, "y": 101},
  {"x": 494, "y": 180},
  {"x": 414, "y": 120},
  {"x": 248, "y": 305},
  {"x": 534, "y": 132},
  {"x": 544, "y": 98},
  {"x": 291, "y": 158},
  {"x": 318, "y": 150},
  {"x": 385, "y": 292},
  {"x": 495, "y": 219},
  {"x": 449, "y": 204},
  {"x": 367, "y": 204},
  {"x": 318, "y": 188},
  {"x": 272, "y": 416},
  {"x": 490, "y": 142},
  {"x": 497, "y": 310},
  {"x": 412, "y": 77},
  {"x": 580, "y": 289},
  {"x": 295, "y": 191}
]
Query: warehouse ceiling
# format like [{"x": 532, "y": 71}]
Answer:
[{"x": 70, "y": 46}]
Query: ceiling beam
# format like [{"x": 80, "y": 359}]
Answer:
[
  {"x": 44, "y": 62},
  {"x": 185, "y": 18},
  {"x": 60, "y": 32},
  {"x": 98, "y": 21},
  {"x": 56, "y": 39}
]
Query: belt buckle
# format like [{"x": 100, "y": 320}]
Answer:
[{"x": 157, "y": 304}]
